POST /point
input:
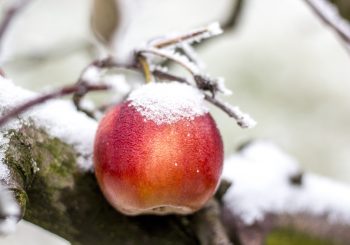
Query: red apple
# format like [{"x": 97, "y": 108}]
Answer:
[{"x": 159, "y": 152}]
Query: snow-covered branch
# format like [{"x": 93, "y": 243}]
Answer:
[
  {"x": 263, "y": 196},
  {"x": 59, "y": 118},
  {"x": 43, "y": 154},
  {"x": 243, "y": 119}
]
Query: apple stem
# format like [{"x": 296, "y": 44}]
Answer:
[
  {"x": 145, "y": 66},
  {"x": 90, "y": 76}
]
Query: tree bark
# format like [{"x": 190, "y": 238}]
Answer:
[{"x": 54, "y": 194}]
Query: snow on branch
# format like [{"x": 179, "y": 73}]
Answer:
[
  {"x": 58, "y": 117},
  {"x": 243, "y": 120},
  {"x": 166, "y": 48},
  {"x": 194, "y": 36},
  {"x": 89, "y": 78},
  {"x": 262, "y": 175}
]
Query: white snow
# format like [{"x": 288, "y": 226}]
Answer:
[
  {"x": 92, "y": 75},
  {"x": 173, "y": 56},
  {"x": 166, "y": 103},
  {"x": 118, "y": 83},
  {"x": 192, "y": 54},
  {"x": 4, "y": 171},
  {"x": 244, "y": 120},
  {"x": 209, "y": 31},
  {"x": 222, "y": 87},
  {"x": 10, "y": 210},
  {"x": 260, "y": 175},
  {"x": 214, "y": 29},
  {"x": 58, "y": 117},
  {"x": 189, "y": 37}
]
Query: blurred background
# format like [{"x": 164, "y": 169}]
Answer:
[{"x": 284, "y": 66}]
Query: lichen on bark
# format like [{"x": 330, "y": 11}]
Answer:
[
  {"x": 66, "y": 201},
  {"x": 57, "y": 196}
]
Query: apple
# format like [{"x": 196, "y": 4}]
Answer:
[{"x": 159, "y": 152}]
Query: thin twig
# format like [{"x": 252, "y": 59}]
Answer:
[
  {"x": 235, "y": 15},
  {"x": 177, "y": 39},
  {"x": 169, "y": 56},
  {"x": 243, "y": 120},
  {"x": 105, "y": 63},
  {"x": 45, "y": 97},
  {"x": 82, "y": 87},
  {"x": 324, "y": 10},
  {"x": 9, "y": 15}
]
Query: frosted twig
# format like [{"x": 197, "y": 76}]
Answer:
[
  {"x": 173, "y": 56},
  {"x": 213, "y": 85},
  {"x": 89, "y": 75},
  {"x": 243, "y": 120},
  {"x": 189, "y": 37},
  {"x": 328, "y": 13},
  {"x": 52, "y": 95},
  {"x": 192, "y": 55},
  {"x": 167, "y": 47},
  {"x": 9, "y": 15}
]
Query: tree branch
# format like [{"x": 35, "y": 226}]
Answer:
[
  {"x": 84, "y": 81},
  {"x": 83, "y": 88},
  {"x": 68, "y": 202},
  {"x": 208, "y": 226},
  {"x": 235, "y": 15},
  {"x": 9, "y": 15},
  {"x": 44, "y": 171},
  {"x": 330, "y": 16},
  {"x": 243, "y": 120}
]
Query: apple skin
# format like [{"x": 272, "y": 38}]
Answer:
[{"x": 146, "y": 168}]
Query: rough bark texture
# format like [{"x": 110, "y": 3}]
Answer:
[
  {"x": 68, "y": 202},
  {"x": 55, "y": 195}
]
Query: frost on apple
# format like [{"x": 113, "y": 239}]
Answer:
[
  {"x": 159, "y": 152},
  {"x": 160, "y": 102}
]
